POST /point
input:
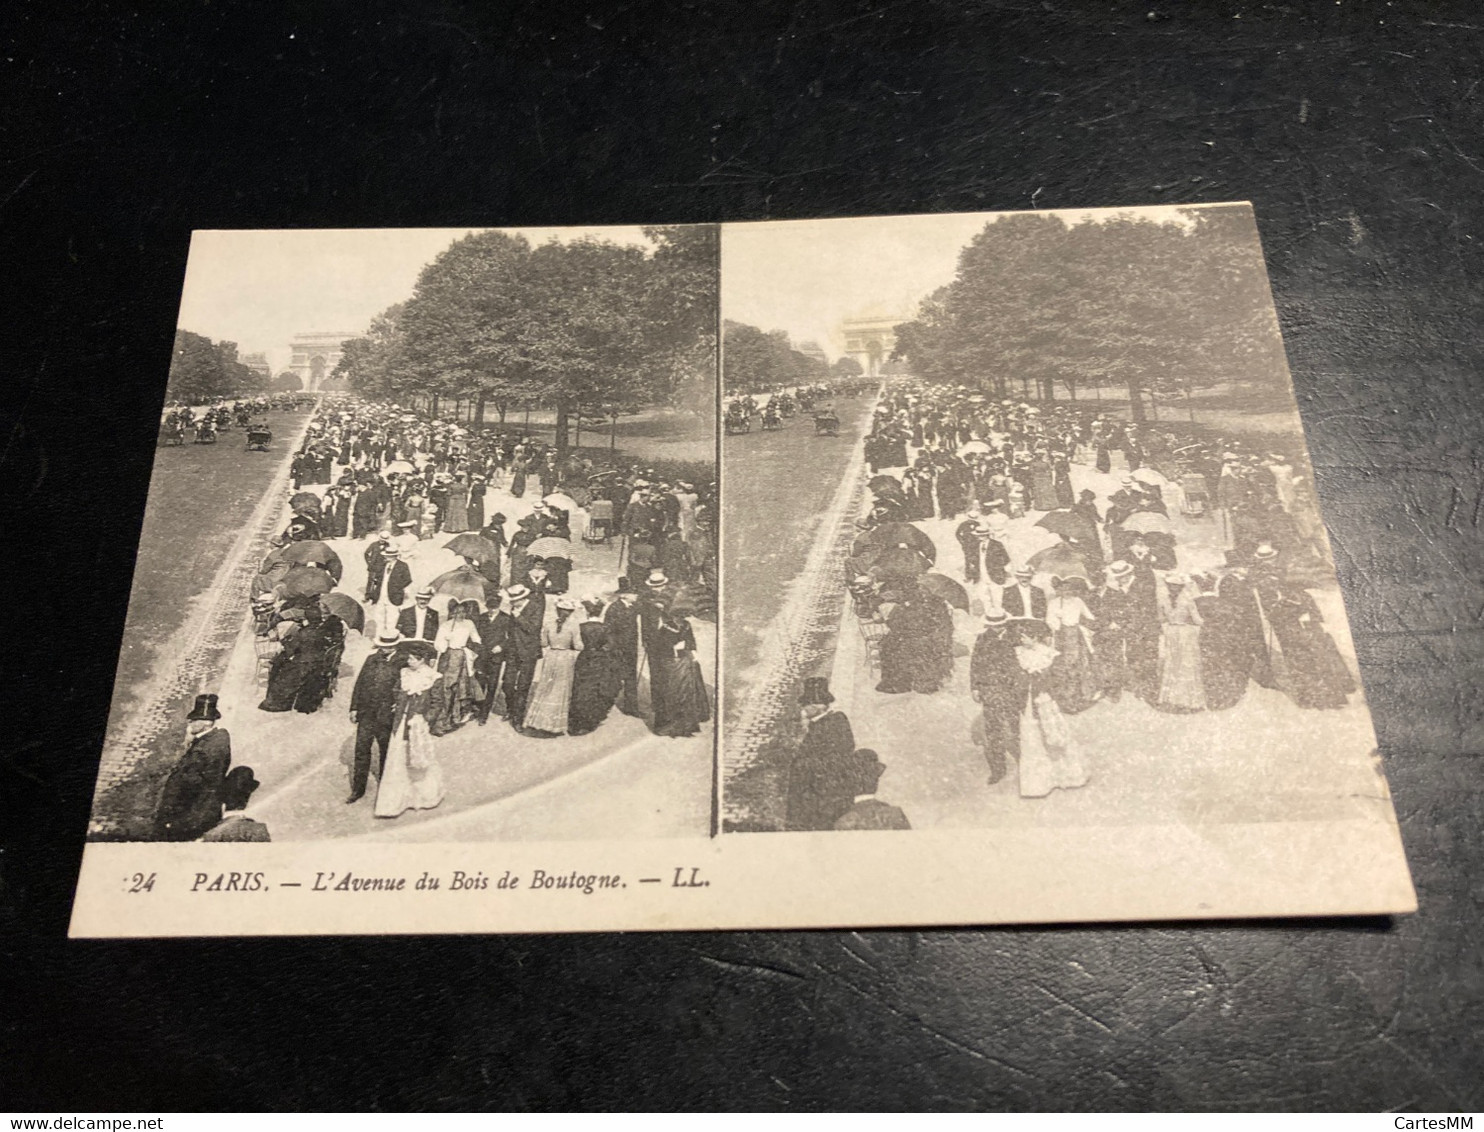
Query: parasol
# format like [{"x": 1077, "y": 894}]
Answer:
[
  {"x": 302, "y": 500},
  {"x": 462, "y": 584},
  {"x": 1067, "y": 524},
  {"x": 550, "y": 547},
  {"x": 1147, "y": 475},
  {"x": 1060, "y": 561},
  {"x": 477, "y": 547},
  {"x": 315, "y": 552},
  {"x": 305, "y": 581},
  {"x": 1147, "y": 522},
  {"x": 899, "y": 562},
  {"x": 879, "y": 484},
  {"x": 942, "y": 586},
  {"x": 888, "y": 535},
  {"x": 345, "y": 607},
  {"x": 401, "y": 467},
  {"x": 558, "y": 499},
  {"x": 973, "y": 448}
]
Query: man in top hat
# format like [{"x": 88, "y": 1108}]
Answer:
[
  {"x": 419, "y": 621},
  {"x": 524, "y": 618},
  {"x": 621, "y": 619},
  {"x": 373, "y": 704},
  {"x": 999, "y": 686},
  {"x": 235, "y": 825},
  {"x": 1021, "y": 599},
  {"x": 822, "y": 778},
  {"x": 191, "y": 799},
  {"x": 868, "y": 812}
]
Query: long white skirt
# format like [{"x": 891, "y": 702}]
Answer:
[
  {"x": 404, "y": 786},
  {"x": 1048, "y": 760}
]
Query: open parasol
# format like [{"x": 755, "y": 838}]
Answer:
[
  {"x": 477, "y": 547},
  {"x": 1067, "y": 524},
  {"x": 306, "y": 581},
  {"x": 888, "y": 535},
  {"x": 462, "y": 584},
  {"x": 974, "y": 447},
  {"x": 550, "y": 547},
  {"x": 1060, "y": 561},
  {"x": 312, "y": 551},
  {"x": 940, "y": 585},
  {"x": 888, "y": 484},
  {"x": 345, "y": 607},
  {"x": 401, "y": 467},
  {"x": 1147, "y": 522},
  {"x": 899, "y": 562},
  {"x": 560, "y": 500},
  {"x": 305, "y": 501},
  {"x": 1147, "y": 476}
]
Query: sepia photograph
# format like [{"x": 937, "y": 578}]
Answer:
[
  {"x": 1021, "y": 532},
  {"x": 430, "y": 546}
]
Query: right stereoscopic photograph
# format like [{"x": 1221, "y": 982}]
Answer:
[{"x": 1020, "y": 530}]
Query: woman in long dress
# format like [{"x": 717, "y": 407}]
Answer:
[
  {"x": 1314, "y": 673},
  {"x": 299, "y": 679},
  {"x": 1181, "y": 688},
  {"x": 1048, "y": 758},
  {"x": 456, "y": 518},
  {"x": 1071, "y": 678},
  {"x": 597, "y": 678},
  {"x": 551, "y": 691},
  {"x": 411, "y": 778},
  {"x": 457, "y": 642},
  {"x": 518, "y": 471},
  {"x": 1226, "y": 652},
  {"x": 681, "y": 703}
]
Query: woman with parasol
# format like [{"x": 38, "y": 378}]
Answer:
[
  {"x": 299, "y": 679},
  {"x": 411, "y": 778}
]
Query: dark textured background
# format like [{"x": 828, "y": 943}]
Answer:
[{"x": 1355, "y": 129}]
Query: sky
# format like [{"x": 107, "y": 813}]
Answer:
[
  {"x": 807, "y": 276},
  {"x": 260, "y": 288}
]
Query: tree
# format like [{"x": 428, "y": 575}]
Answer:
[
  {"x": 847, "y": 367},
  {"x": 203, "y": 370}
]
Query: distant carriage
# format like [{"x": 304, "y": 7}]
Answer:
[
  {"x": 772, "y": 422},
  {"x": 826, "y": 423},
  {"x": 205, "y": 433},
  {"x": 738, "y": 421},
  {"x": 259, "y": 437},
  {"x": 173, "y": 434}
]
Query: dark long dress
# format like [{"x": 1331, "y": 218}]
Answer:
[
  {"x": 917, "y": 651},
  {"x": 300, "y": 677},
  {"x": 1226, "y": 656},
  {"x": 677, "y": 690},
  {"x": 1317, "y": 676},
  {"x": 596, "y": 680}
]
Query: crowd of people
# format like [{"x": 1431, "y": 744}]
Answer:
[
  {"x": 507, "y": 634},
  {"x": 1108, "y": 558}
]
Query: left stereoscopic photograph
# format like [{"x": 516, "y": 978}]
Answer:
[{"x": 430, "y": 546}]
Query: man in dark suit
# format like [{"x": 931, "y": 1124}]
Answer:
[
  {"x": 821, "y": 779},
  {"x": 1021, "y": 599},
  {"x": 489, "y": 665},
  {"x": 372, "y": 705},
  {"x": 999, "y": 686},
  {"x": 622, "y": 621},
  {"x": 526, "y": 615},
  {"x": 868, "y": 812},
  {"x": 191, "y": 800},
  {"x": 392, "y": 580},
  {"x": 419, "y": 621}
]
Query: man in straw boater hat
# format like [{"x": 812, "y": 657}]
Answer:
[
  {"x": 526, "y": 614},
  {"x": 999, "y": 686},
  {"x": 419, "y": 621},
  {"x": 373, "y": 704},
  {"x": 191, "y": 800},
  {"x": 822, "y": 777}
]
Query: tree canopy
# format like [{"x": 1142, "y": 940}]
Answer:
[
  {"x": 753, "y": 358},
  {"x": 1157, "y": 308},
  {"x": 203, "y": 370},
  {"x": 585, "y": 325}
]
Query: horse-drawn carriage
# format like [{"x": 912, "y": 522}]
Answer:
[
  {"x": 172, "y": 432},
  {"x": 206, "y": 432},
  {"x": 826, "y": 423},
  {"x": 786, "y": 406},
  {"x": 259, "y": 436},
  {"x": 738, "y": 420},
  {"x": 771, "y": 421}
]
